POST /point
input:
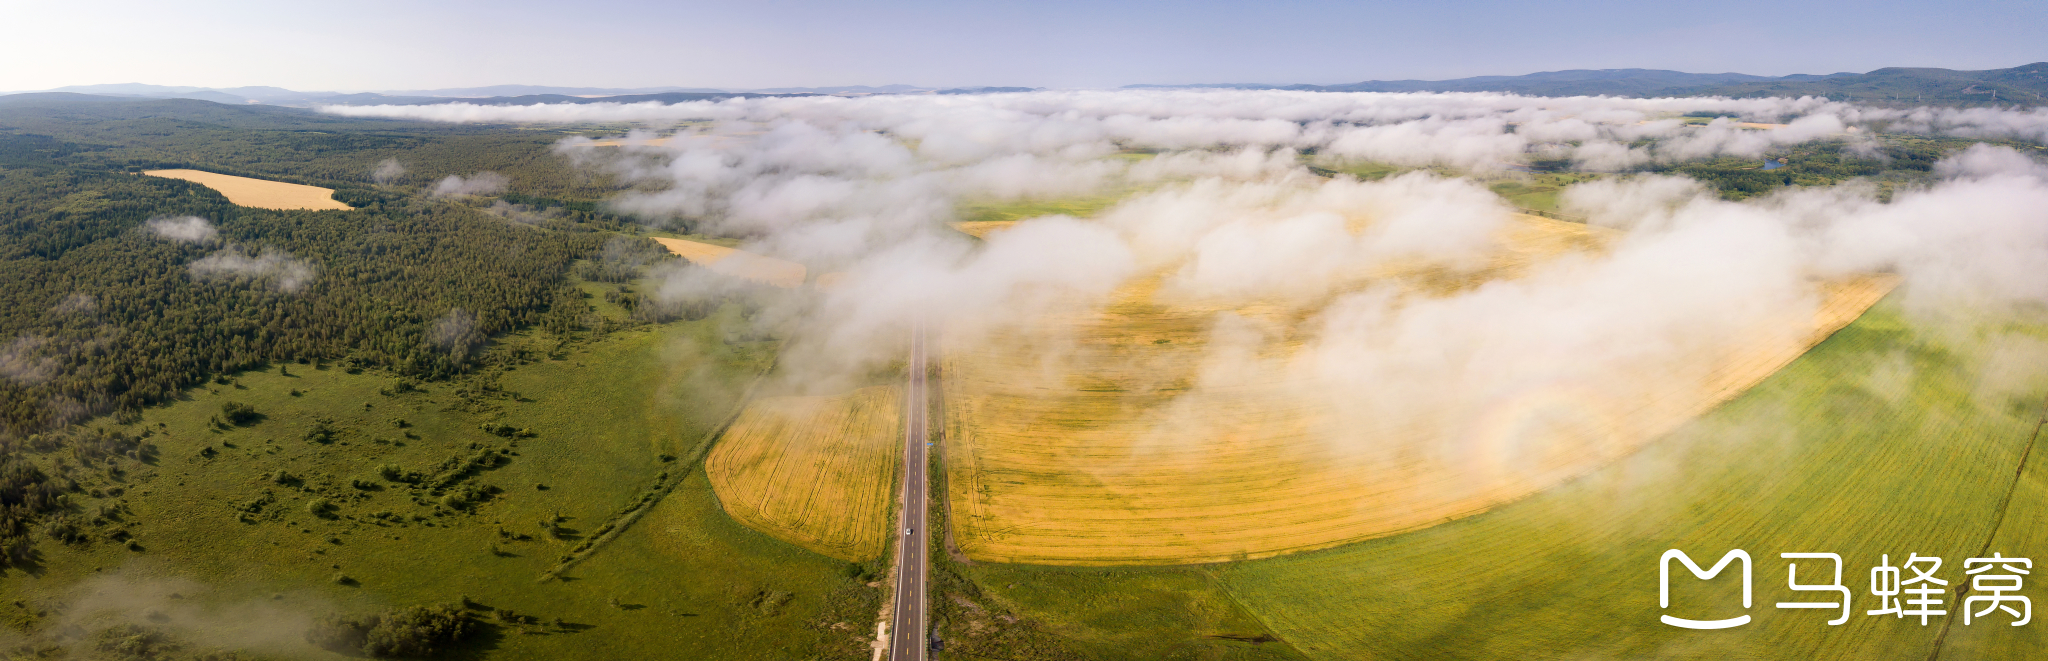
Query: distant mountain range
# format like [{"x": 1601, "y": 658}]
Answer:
[
  {"x": 498, "y": 95},
  {"x": 491, "y": 95},
  {"x": 2023, "y": 85}
]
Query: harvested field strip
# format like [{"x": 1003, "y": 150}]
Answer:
[
  {"x": 1881, "y": 440},
  {"x": 980, "y": 229},
  {"x": 622, "y": 142},
  {"x": 1084, "y": 439},
  {"x": 258, "y": 193},
  {"x": 818, "y": 472},
  {"x": 738, "y": 263}
]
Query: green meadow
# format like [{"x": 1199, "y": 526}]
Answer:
[
  {"x": 352, "y": 491},
  {"x": 1885, "y": 439}
]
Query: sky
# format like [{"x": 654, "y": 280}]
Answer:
[{"x": 371, "y": 45}]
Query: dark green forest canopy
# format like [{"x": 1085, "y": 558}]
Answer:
[
  {"x": 286, "y": 144},
  {"x": 100, "y": 315}
]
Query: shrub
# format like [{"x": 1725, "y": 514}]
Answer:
[
  {"x": 256, "y": 504},
  {"x": 395, "y": 473},
  {"x": 322, "y": 432},
  {"x": 419, "y": 631}
]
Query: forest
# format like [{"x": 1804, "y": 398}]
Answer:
[
  {"x": 107, "y": 312},
  {"x": 1889, "y": 161},
  {"x": 284, "y": 144}
]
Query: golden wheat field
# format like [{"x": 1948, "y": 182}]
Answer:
[
  {"x": 831, "y": 280},
  {"x": 738, "y": 263},
  {"x": 1089, "y": 437},
  {"x": 622, "y": 142},
  {"x": 258, "y": 193},
  {"x": 818, "y": 472}
]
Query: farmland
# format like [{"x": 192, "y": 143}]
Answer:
[
  {"x": 258, "y": 193},
  {"x": 816, "y": 471},
  {"x": 1084, "y": 439},
  {"x": 1888, "y": 438},
  {"x": 502, "y": 402},
  {"x": 1896, "y": 435},
  {"x": 738, "y": 263}
]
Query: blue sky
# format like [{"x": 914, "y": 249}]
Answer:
[{"x": 381, "y": 44}]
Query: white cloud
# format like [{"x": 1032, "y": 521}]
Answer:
[
  {"x": 184, "y": 229},
  {"x": 387, "y": 171},
  {"x": 280, "y": 269},
  {"x": 1223, "y": 211},
  {"x": 481, "y": 183}
]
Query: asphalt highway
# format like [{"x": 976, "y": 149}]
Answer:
[{"x": 907, "y": 631}]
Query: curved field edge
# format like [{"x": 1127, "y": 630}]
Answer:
[
  {"x": 1884, "y": 439},
  {"x": 816, "y": 472},
  {"x": 1043, "y": 613},
  {"x": 259, "y": 193},
  {"x": 1060, "y": 475}
]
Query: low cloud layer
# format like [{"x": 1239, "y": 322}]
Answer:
[
  {"x": 1470, "y": 130},
  {"x": 184, "y": 229},
  {"x": 25, "y": 360},
  {"x": 277, "y": 268},
  {"x": 481, "y": 183},
  {"x": 387, "y": 171},
  {"x": 1219, "y": 211}
]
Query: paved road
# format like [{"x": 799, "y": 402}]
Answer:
[{"x": 907, "y": 632}]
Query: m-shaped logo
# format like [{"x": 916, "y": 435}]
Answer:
[{"x": 1664, "y": 587}]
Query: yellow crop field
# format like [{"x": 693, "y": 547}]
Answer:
[
  {"x": 830, "y": 280},
  {"x": 738, "y": 263},
  {"x": 982, "y": 228},
  {"x": 818, "y": 472},
  {"x": 258, "y": 193},
  {"x": 622, "y": 142},
  {"x": 1084, "y": 438}
]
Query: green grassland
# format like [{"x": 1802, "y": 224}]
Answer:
[
  {"x": 1178, "y": 614},
  {"x": 569, "y": 436},
  {"x": 1537, "y": 192},
  {"x": 1003, "y": 210},
  {"x": 544, "y": 465},
  {"x": 1366, "y": 170},
  {"x": 1889, "y": 161},
  {"x": 1882, "y": 440}
]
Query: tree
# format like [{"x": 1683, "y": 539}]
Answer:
[
  {"x": 239, "y": 414},
  {"x": 418, "y": 631}
]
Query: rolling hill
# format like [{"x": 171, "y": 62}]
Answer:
[{"x": 2025, "y": 85}]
